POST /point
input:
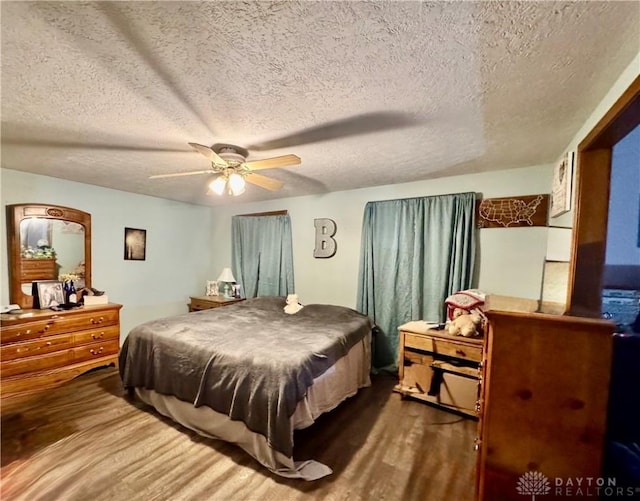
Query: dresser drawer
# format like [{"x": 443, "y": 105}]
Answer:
[
  {"x": 418, "y": 342},
  {"x": 96, "y": 350},
  {"x": 457, "y": 350},
  {"x": 35, "y": 347},
  {"x": 38, "y": 269},
  {"x": 441, "y": 346},
  {"x": 97, "y": 335},
  {"x": 35, "y": 364},
  {"x": 198, "y": 304},
  {"x": 58, "y": 324}
]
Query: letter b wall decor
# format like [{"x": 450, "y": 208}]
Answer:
[{"x": 325, "y": 243}]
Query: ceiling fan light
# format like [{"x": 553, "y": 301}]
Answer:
[
  {"x": 218, "y": 185},
  {"x": 236, "y": 184}
]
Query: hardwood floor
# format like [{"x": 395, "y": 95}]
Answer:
[{"x": 87, "y": 441}]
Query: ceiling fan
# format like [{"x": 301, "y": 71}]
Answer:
[{"x": 229, "y": 161}]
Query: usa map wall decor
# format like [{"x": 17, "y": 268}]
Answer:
[{"x": 513, "y": 212}]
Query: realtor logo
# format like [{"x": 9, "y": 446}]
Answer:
[{"x": 533, "y": 483}]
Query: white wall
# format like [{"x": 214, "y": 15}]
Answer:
[
  {"x": 511, "y": 259},
  {"x": 178, "y": 235}
]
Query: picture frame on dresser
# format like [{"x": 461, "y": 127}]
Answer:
[
  {"x": 212, "y": 288},
  {"x": 47, "y": 293}
]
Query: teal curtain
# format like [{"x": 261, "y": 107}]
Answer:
[
  {"x": 262, "y": 255},
  {"x": 415, "y": 252}
]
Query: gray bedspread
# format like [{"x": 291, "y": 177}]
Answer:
[{"x": 250, "y": 360}]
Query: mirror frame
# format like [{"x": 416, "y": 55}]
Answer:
[{"x": 15, "y": 215}]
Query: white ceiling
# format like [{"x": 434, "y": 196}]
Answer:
[{"x": 366, "y": 93}]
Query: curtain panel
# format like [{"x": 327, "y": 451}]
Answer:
[
  {"x": 415, "y": 252},
  {"x": 262, "y": 255}
]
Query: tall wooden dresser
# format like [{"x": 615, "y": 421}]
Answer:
[
  {"x": 544, "y": 404},
  {"x": 41, "y": 349}
]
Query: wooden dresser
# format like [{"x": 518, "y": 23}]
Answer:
[
  {"x": 208, "y": 302},
  {"x": 438, "y": 368},
  {"x": 41, "y": 349},
  {"x": 544, "y": 403}
]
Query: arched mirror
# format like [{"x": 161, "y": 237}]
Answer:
[{"x": 45, "y": 242}]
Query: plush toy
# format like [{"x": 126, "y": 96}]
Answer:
[
  {"x": 465, "y": 323},
  {"x": 292, "y": 306}
]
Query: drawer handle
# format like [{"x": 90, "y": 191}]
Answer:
[
  {"x": 45, "y": 329},
  {"x": 99, "y": 336},
  {"x": 96, "y": 322},
  {"x": 96, "y": 352},
  {"x": 20, "y": 350},
  {"x": 461, "y": 353}
]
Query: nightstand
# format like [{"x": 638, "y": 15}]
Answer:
[
  {"x": 208, "y": 302},
  {"x": 439, "y": 368}
]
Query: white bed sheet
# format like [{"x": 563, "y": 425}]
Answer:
[{"x": 338, "y": 383}]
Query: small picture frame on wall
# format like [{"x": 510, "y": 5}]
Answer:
[
  {"x": 562, "y": 184},
  {"x": 135, "y": 244}
]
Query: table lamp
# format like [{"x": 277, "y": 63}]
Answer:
[{"x": 225, "y": 282}]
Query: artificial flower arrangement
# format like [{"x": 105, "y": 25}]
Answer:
[
  {"x": 68, "y": 277},
  {"x": 42, "y": 251}
]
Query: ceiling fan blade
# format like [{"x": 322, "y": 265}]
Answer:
[
  {"x": 351, "y": 126},
  {"x": 272, "y": 163},
  {"x": 178, "y": 174},
  {"x": 264, "y": 182},
  {"x": 209, "y": 153}
]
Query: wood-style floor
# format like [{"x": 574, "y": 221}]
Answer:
[{"x": 86, "y": 441}]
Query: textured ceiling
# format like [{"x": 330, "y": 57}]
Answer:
[{"x": 366, "y": 93}]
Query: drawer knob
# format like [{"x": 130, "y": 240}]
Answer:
[
  {"x": 99, "y": 336},
  {"x": 93, "y": 351},
  {"x": 96, "y": 322}
]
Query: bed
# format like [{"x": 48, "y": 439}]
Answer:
[{"x": 250, "y": 374}]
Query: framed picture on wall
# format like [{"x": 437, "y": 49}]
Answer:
[
  {"x": 135, "y": 244},
  {"x": 562, "y": 184}
]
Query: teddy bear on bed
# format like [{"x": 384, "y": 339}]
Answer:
[
  {"x": 292, "y": 306},
  {"x": 465, "y": 323}
]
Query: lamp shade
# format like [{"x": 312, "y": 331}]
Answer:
[
  {"x": 218, "y": 185},
  {"x": 236, "y": 184},
  {"x": 226, "y": 276}
]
